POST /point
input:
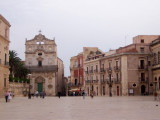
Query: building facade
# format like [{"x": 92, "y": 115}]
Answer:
[
  {"x": 4, "y": 55},
  {"x": 76, "y": 83},
  {"x": 47, "y": 70},
  {"x": 129, "y": 70},
  {"x": 155, "y": 48}
]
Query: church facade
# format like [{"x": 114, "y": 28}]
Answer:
[{"x": 47, "y": 70}]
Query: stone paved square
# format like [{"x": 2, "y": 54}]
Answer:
[{"x": 77, "y": 108}]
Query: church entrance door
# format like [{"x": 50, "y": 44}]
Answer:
[{"x": 40, "y": 87}]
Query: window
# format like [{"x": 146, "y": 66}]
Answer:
[
  {"x": 6, "y": 32},
  {"x": 109, "y": 65},
  {"x": 40, "y": 63},
  {"x": 75, "y": 81},
  {"x": 142, "y": 64},
  {"x": 155, "y": 59},
  {"x": 142, "y": 40},
  {"x": 75, "y": 63},
  {"x": 142, "y": 77},
  {"x": 117, "y": 76},
  {"x": 116, "y": 63},
  {"x": 103, "y": 77},
  {"x": 39, "y": 54},
  {"x": 96, "y": 68},
  {"x": 5, "y": 82},
  {"x": 142, "y": 50},
  {"x": 96, "y": 77},
  {"x": 158, "y": 57},
  {"x": 5, "y": 62},
  {"x": 149, "y": 63},
  {"x": 103, "y": 90}
]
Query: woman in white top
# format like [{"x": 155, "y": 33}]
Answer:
[{"x": 9, "y": 96}]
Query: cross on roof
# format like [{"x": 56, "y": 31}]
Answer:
[{"x": 39, "y": 31}]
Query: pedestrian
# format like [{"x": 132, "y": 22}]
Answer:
[
  {"x": 155, "y": 96},
  {"x": 83, "y": 93},
  {"x": 37, "y": 94},
  {"x": 91, "y": 94},
  {"x": 6, "y": 96},
  {"x": 59, "y": 94},
  {"x": 9, "y": 97},
  {"x": 43, "y": 94}
]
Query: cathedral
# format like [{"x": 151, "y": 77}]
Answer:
[{"x": 47, "y": 70}]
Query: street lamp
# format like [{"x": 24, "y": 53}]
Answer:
[{"x": 29, "y": 95}]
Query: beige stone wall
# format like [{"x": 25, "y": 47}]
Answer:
[
  {"x": 124, "y": 72},
  {"x": 4, "y": 51},
  {"x": 60, "y": 82},
  {"x": 18, "y": 88}
]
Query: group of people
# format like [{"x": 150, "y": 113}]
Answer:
[
  {"x": 9, "y": 95},
  {"x": 41, "y": 94}
]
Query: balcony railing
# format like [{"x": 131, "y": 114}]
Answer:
[
  {"x": 91, "y": 71},
  {"x": 96, "y": 70},
  {"x": 142, "y": 67},
  {"x": 88, "y": 81},
  {"x": 86, "y": 72},
  {"x": 143, "y": 80},
  {"x": 116, "y": 68},
  {"x": 92, "y": 81},
  {"x": 109, "y": 69},
  {"x": 0, "y": 61},
  {"x": 103, "y": 81},
  {"x": 45, "y": 68},
  {"x": 102, "y": 70}
]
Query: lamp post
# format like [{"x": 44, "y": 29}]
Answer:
[{"x": 29, "y": 95}]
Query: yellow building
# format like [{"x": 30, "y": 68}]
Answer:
[{"x": 4, "y": 54}]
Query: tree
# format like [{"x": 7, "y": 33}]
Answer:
[{"x": 17, "y": 68}]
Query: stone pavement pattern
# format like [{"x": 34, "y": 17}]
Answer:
[{"x": 75, "y": 108}]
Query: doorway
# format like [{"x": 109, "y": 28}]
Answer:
[
  {"x": 40, "y": 87},
  {"x": 143, "y": 90},
  {"x": 117, "y": 90}
]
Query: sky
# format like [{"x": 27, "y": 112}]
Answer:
[{"x": 106, "y": 24}]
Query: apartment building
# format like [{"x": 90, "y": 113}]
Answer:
[{"x": 4, "y": 54}]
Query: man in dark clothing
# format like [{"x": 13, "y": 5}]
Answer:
[
  {"x": 59, "y": 94},
  {"x": 6, "y": 96}
]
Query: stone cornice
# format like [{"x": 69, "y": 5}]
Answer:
[{"x": 4, "y": 20}]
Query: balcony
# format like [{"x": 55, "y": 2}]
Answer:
[
  {"x": 102, "y": 70},
  {"x": 142, "y": 67},
  {"x": 95, "y": 81},
  {"x": 88, "y": 81},
  {"x": 96, "y": 71},
  {"x": 91, "y": 71},
  {"x": 91, "y": 81},
  {"x": 116, "y": 68},
  {"x": 143, "y": 80},
  {"x": 116, "y": 81},
  {"x": 47, "y": 68},
  {"x": 109, "y": 70},
  {"x": 86, "y": 72},
  {"x": 103, "y": 81}
]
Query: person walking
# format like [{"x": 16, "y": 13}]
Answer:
[
  {"x": 83, "y": 93},
  {"x": 6, "y": 96},
  {"x": 9, "y": 97},
  {"x": 59, "y": 94},
  {"x": 37, "y": 94}
]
